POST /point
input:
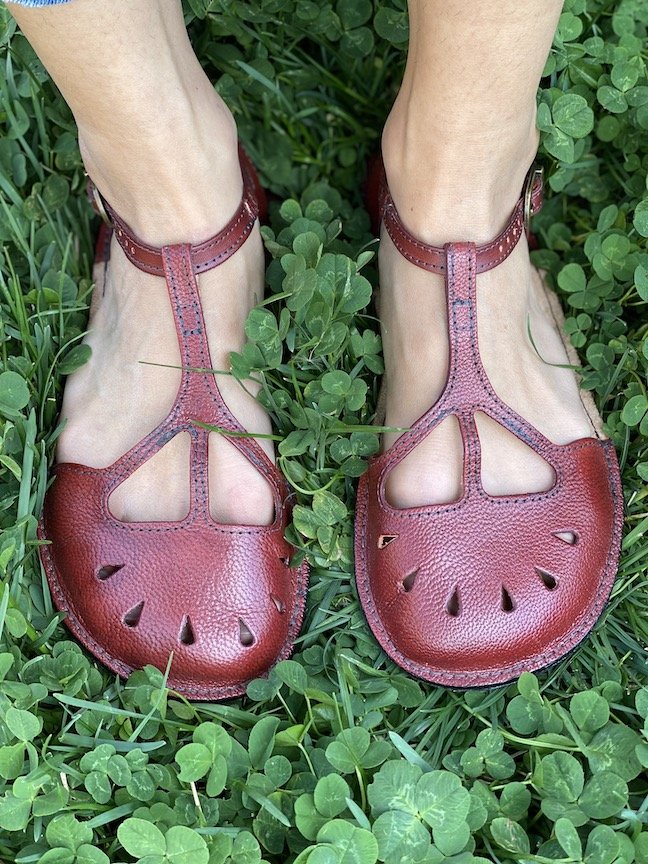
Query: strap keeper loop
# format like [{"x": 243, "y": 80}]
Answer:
[{"x": 535, "y": 177}]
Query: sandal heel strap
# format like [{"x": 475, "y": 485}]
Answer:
[
  {"x": 488, "y": 255},
  {"x": 204, "y": 256}
]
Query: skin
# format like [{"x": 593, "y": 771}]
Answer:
[{"x": 456, "y": 145}]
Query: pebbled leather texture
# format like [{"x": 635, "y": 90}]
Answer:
[
  {"x": 204, "y": 256},
  {"x": 473, "y": 593},
  {"x": 223, "y": 598}
]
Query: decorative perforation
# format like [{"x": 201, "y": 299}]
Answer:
[
  {"x": 246, "y": 636},
  {"x": 569, "y": 537},
  {"x": 508, "y": 604},
  {"x": 107, "y": 571},
  {"x": 453, "y": 606},
  {"x": 132, "y": 617},
  {"x": 279, "y": 604},
  {"x": 187, "y": 635},
  {"x": 409, "y": 580},
  {"x": 386, "y": 539},
  {"x": 548, "y": 580}
]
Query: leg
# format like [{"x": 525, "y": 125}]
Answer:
[
  {"x": 457, "y": 145},
  {"x": 162, "y": 148}
]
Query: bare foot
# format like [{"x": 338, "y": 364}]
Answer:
[{"x": 129, "y": 385}]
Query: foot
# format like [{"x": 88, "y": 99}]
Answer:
[
  {"x": 511, "y": 304},
  {"x": 129, "y": 384}
]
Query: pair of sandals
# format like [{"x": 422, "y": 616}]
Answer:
[{"x": 465, "y": 594}]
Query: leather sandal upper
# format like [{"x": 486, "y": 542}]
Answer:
[
  {"x": 222, "y": 598},
  {"x": 473, "y": 592}
]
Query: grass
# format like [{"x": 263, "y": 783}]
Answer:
[{"x": 285, "y": 66}]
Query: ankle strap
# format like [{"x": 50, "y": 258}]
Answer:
[
  {"x": 487, "y": 256},
  {"x": 204, "y": 256}
]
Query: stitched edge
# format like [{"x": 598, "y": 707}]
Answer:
[
  {"x": 247, "y": 447},
  {"x": 400, "y": 236},
  {"x": 529, "y": 498},
  {"x": 224, "y": 254},
  {"x": 247, "y": 208}
]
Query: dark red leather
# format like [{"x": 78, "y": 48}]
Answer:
[
  {"x": 222, "y": 598},
  {"x": 472, "y": 593},
  {"x": 433, "y": 258},
  {"x": 204, "y": 256}
]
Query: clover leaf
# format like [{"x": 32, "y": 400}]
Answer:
[
  {"x": 353, "y": 845},
  {"x": 14, "y": 393},
  {"x": 510, "y": 836},
  {"x": 436, "y": 797},
  {"x": 22, "y": 724},
  {"x": 613, "y": 748},
  {"x": 401, "y": 837},
  {"x": 560, "y": 775},
  {"x": 179, "y": 845},
  {"x": 68, "y": 832}
]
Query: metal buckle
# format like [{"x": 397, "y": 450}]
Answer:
[
  {"x": 98, "y": 202},
  {"x": 533, "y": 177}
]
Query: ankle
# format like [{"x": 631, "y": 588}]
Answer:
[
  {"x": 450, "y": 187},
  {"x": 178, "y": 180}
]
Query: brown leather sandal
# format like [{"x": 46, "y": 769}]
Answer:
[
  {"x": 472, "y": 593},
  {"x": 222, "y": 598}
]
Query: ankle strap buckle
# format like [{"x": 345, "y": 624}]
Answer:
[
  {"x": 94, "y": 196},
  {"x": 534, "y": 177}
]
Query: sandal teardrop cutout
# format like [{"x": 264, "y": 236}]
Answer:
[
  {"x": 223, "y": 598},
  {"x": 474, "y": 592}
]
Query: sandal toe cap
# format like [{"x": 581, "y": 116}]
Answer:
[
  {"x": 473, "y": 595},
  {"x": 222, "y": 598}
]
